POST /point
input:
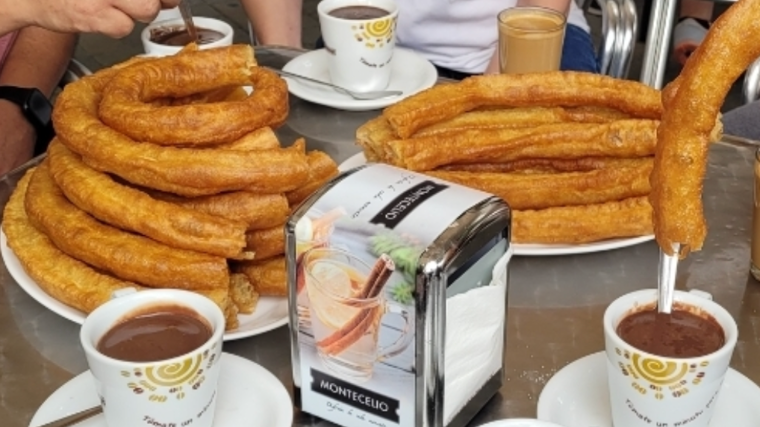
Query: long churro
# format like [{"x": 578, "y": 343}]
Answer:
[
  {"x": 254, "y": 211},
  {"x": 546, "y": 165},
  {"x": 125, "y": 105},
  {"x": 266, "y": 243},
  {"x": 268, "y": 277},
  {"x": 693, "y": 103},
  {"x": 131, "y": 209},
  {"x": 125, "y": 255},
  {"x": 565, "y": 89},
  {"x": 583, "y": 224},
  {"x": 539, "y": 191},
  {"x": 68, "y": 279},
  {"x": 623, "y": 138}
]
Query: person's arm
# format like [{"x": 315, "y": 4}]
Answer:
[
  {"x": 275, "y": 22},
  {"x": 37, "y": 59},
  {"x": 114, "y": 18},
  {"x": 558, "y": 5}
]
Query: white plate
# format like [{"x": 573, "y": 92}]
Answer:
[
  {"x": 577, "y": 396},
  {"x": 519, "y": 422},
  {"x": 271, "y": 312},
  {"x": 249, "y": 396},
  {"x": 534, "y": 249},
  {"x": 410, "y": 73}
]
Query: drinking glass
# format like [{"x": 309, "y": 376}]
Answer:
[
  {"x": 530, "y": 39},
  {"x": 755, "y": 252}
]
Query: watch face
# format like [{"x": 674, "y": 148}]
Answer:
[{"x": 38, "y": 106}]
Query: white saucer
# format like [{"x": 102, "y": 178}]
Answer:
[
  {"x": 249, "y": 396},
  {"x": 519, "y": 422},
  {"x": 577, "y": 396},
  {"x": 410, "y": 73},
  {"x": 270, "y": 313},
  {"x": 536, "y": 249}
]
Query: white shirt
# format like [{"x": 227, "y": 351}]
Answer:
[{"x": 458, "y": 34}]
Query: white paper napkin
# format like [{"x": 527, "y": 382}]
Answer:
[{"x": 475, "y": 323}]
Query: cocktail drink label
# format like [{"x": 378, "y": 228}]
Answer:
[{"x": 386, "y": 267}]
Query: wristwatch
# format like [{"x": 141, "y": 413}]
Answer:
[{"x": 36, "y": 108}]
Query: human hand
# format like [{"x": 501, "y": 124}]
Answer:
[
  {"x": 115, "y": 18},
  {"x": 562, "y": 6},
  {"x": 17, "y": 137}
]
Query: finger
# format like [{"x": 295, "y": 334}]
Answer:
[
  {"x": 114, "y": 23},
  {"x": 169, "y": 4},
  {"x": 139, "y": 10}
]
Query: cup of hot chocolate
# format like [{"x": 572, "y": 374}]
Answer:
[
  {"x": 155, "y": 358},
  {"x": 359, "y": 39},
  {"x": 162, "y": 38},
  {"x": 666, "y": 369}
]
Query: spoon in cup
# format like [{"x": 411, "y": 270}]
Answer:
[
  {"x": 187, "y": 16},
  {"x": 666, "y": 279}
]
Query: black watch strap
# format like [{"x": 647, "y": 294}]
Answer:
[{"x": 36, "y": 108}]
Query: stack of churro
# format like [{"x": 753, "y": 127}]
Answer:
[
  {"x": 165, "y": 174},
  {"x": 570, "y": 152}
]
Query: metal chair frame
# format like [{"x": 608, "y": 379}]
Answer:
[
  {"x": 661, "y": 24},
  {"x": 618, "y": 38},
  {"x": 75, "y": 71}
]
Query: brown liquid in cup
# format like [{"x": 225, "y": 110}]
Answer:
[
  {"x": 755, "y": 248},
  {"x": 178, "y": 36},
  {"x": 358, "y": 12},
  {"x": 530, "y": 41},
  {"x": 680, "y": 334},
  {"x": 159, "y": 334}
]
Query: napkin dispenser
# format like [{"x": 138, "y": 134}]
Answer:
[{"x": 398, "y": 295}]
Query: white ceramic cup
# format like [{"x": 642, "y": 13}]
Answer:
[
  {"x": 156, "y": 49},
  {"x": 654, "y": 391},
  {"x": 359, "y": 52},
  {"x": 179, "y": 391}
]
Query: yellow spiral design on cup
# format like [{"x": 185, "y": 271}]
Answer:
[
  {"x": 379, "y": 29},
  {"x": 174, "y": 373},
  {"x": 657, "y": 371}
]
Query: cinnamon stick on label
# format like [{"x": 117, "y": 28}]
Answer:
[{"x": 355, "y": 328}]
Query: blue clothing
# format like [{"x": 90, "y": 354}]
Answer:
[{"x": 578, "y": 51}]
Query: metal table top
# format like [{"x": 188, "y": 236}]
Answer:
[{"x": 555, "y": 302}]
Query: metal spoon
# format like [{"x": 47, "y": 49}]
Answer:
[
  {"x": 75, "y": 418},
  {"x": 362, "y": 96},
  {"x": 187, "y": 16},
  {"x": 666, "y": 279}
]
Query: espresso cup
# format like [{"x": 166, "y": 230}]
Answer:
[
  {"x": 530, "y": 39},
  {"x": 359, "y": 51},
  {"x": 178, "y": 391},
  {"x": 651, "y": 390},
  {"x": 157, "y": 49}
]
